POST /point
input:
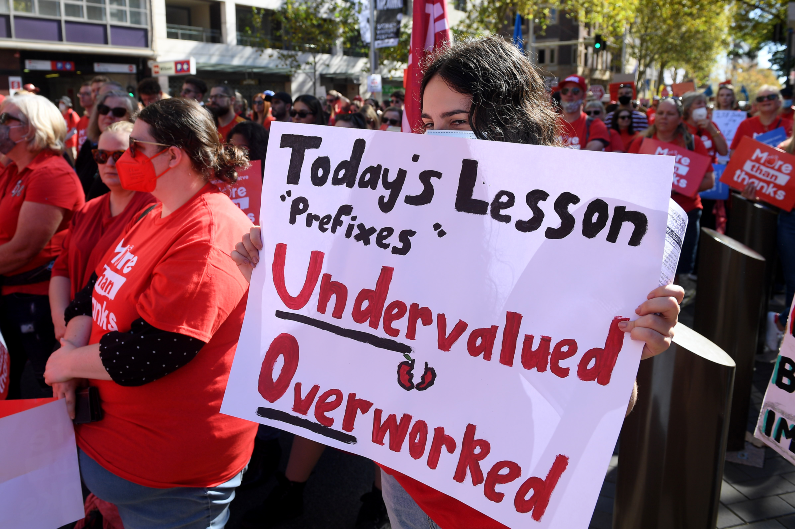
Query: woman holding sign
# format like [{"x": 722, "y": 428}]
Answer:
[
  {"x": 486, "y": 89},
  {"x": 155, "y": 334},
  {"x": 669, "y": 127}
]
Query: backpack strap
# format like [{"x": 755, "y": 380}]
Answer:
[
  {"x": 145, "y": 212},
  {"x": 588, "y": 122}
]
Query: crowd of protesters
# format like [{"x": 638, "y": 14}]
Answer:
[{"x": 115, "y": 244}]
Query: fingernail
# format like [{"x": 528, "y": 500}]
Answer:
[
  {"x": 622, "y": 325},
  {"x": 637, "y": 310}
]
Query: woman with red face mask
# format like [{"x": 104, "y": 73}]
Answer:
[{"x": 155, "y": 331}]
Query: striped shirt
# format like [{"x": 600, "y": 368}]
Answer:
[{"x": 639, "y": 120}]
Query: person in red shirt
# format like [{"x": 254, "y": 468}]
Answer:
[
  {"x": 87, "y": 102},
  {"x": 595, "y": 110},
  {"x": 622, "y": 124},
  {"x": 156, "y": 329},
  {"x": 768, "y": 103},
  {"x": 669, "y": 127},
  {"x": 577, "y": 130},
  {"x": 222, "y": 106},
  {"x": 95, "y": 226},
  {"x": 496, "y": 76},
  {"x": 72, "y": 119},
  {"x": 39, "y": 195}
]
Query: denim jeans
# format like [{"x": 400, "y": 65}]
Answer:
[
  {"x": 786, "y": 251},
  {"x": 403, "y": 511},
  {"x": 144, "y": 507},
  {"x": 687, "y": 260}
]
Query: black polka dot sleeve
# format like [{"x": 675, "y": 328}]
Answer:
[
  {"x": 145, "y": 353},
  {"x": 81, "y": 305}
]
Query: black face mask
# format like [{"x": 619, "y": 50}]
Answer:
[{"x": 624, "y": 100}]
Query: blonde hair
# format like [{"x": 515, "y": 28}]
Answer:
[
  {"x": 689, "y": 98},
  {"x": 93, "y": 131},
  {"x": 370, "y": 117},
  {"x": 767, "y": 88},
  {"x": 119, "y": 127},
  {"x": 43, "y": 119}
]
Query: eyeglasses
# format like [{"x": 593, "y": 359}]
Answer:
[
  {"x": 593, "y": 112},
  {"x": 392, "y": 121},
  {"x": 101, "y": 156},
  {"x": 769, "y": 97},
  {"x": 85, "y": 94},
  {"x": 574, "y": 91},
  {"x": 119, "y": 112},
  {"x": 258, "y": 102},
  {"x": 133, "y": 141},
  {"x": 6, "y": 117},
  {"x": 624, "y": 117},
  {"x": 217, "y": 96},
  {"x": 300, "y": 113}
]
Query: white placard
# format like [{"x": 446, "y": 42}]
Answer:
[
  {"x": 178, "y": 67},
  {"x": 14, "y": 84},
  {"x": 728, "y": 121},
  {"x": 413, "y": 275},
  {"x": 39, "y": 473},
  {"x": 115, "y": 68},
  {"x": 776, "y": 424},
  {"x": 374, "y": 83}
]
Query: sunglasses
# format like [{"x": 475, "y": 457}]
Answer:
[
  {"x": 574, "y": 90},
  {"x": 258, "y": 102},
  {"x": 6, "y": 117},
  {"x": 593, "y": 112},
  {"x": 101, "y": 156},
  {"x": 300, "y": 113},
  {"x": 625, "y": 117},
  {"x": 392, "y": 121},
  {"x": 769, "y": 97},
  {"x": 118, "y": 112},
  {"x": 133, "y": 147},
  {"x": 85, "y": 94}
]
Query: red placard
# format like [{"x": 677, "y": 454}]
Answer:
[
  {"x": 613, "y": 87},
  {"x": 247, "y": 191},
  {"x": 767, "y": 167},
  {"x": 680, "y": 89},
  {"x": 689, "y": 168}
]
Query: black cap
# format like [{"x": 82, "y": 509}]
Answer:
[{"x": 283, "y": 96}]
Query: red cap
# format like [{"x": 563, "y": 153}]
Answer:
[{"x": 574, "y": 78}]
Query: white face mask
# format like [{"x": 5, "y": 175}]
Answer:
[{"x": 469, "y": 135}]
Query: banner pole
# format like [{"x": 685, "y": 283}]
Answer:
[{"x": 373, "y": 66}]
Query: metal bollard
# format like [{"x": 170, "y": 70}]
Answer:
[
  {"x": 755, "y": 225},
  {"x": 673, "y": 444},
  {"x": 728, "y": 312}
]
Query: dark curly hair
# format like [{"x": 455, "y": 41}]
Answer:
[
  {"x": 185, "y": 124},
  {"x": 509, "y": 100},
  {"x": 256, "y": 137},
  {"x": 357, "y": 119}
]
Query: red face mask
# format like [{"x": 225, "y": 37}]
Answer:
[{"x": 138, "y": 174}]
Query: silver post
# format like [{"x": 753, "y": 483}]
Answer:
[{"x": 373, "y": 66}]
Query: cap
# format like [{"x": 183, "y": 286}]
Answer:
[
  {"x": 30, "y": 87},
  {"x": 67, "y": 100},
  {"x": 283, "y": 96},
  {"x": 268, "y": 94},
  {"x": 574, "y": 78}
]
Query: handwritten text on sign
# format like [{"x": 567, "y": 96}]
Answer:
[
  {"x": 449, "y": 309},
  {"x": 768, "y": 168},
  {"x": 689, "y": 167}
]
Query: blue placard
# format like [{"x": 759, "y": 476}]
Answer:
[
  {"x": 719, "y": 191},
  {"x": 772, "y": 138}
]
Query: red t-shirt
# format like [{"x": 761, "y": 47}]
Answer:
[
  {"x": 706, "y": 138},
  {"x": 577, "y": 134},
  {"x": 443, "y": 509},
  {"x": 627, "y": 139},
  {"x": 89, "y": 236},
  {"x": 616, "y": 143},
  {"x": 753, "y": 127},
  {"x": 48, "y": 179},
  {"x": 687, "y": 203},
  {"x": 72, "y": 119},
  {"x": 82, "y": 130},
  {"x": 228, "y": 127},
  {"x": 175, "y": 273},
  {"x": 267, "y": 121}
]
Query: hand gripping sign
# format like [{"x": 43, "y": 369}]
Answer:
[
  {"x": 449, "y": 308},
  {"x": 689, "y": 167},
  {"x": 767, "y": 167}
]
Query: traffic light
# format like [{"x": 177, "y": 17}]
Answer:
[{"x": 598, "y": 43}]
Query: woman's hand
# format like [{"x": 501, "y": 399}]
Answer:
[
  {"x": 59, "y": 366},
  {"x": 749, "y": 191},
  {"x": 60, "y": 326},
  {"x": 246, "y": 253},
  {"x": 704, "y": 124},
  {"x": 657, "y": 317},
  {"x": 67, "y": 391}
]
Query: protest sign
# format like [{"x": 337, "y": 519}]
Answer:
[
  {"x": 389, "y": 15},
  {"x": 451, "y": 311},
  {"x": 719, "y": 191},
  {"x": 772, "y": 138},
  {"x": 776, "y": 423},
  {"x": 5, "y": 368},
  {"x": 247, "y": 191},
  {"x": 689, "y": 167},
  {"x": 613, "y": 87},
  {"x": 680, "y": 89},
  {"x": 728, "y": 121},
  {"x": 597, "y": 91},
  {"x": 765, "y": 166},
  {"x": 39, "y": 474}
]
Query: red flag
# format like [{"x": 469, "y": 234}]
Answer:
[{"x": 430, "y": 29}]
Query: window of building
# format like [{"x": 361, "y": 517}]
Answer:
[
  {"x": 546, "y": 55},
  {"x": 542, "y": 56},
  {"x": 131, "y": 12}
]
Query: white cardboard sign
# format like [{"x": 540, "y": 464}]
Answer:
[
  {"x": 449, "y": 309},
  {"x": 728, "y": 121},
  {"x": 776, "y": 424},
  {"x": 39, "y": 473}
]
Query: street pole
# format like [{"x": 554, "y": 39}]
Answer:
[
  {"x": 373, "y": 66},
  {"x": 531, "y": 38}
]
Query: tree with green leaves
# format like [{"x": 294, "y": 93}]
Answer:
[
  {"x": 758, "y": 24},
  {"x": 306, "y": 32}
]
